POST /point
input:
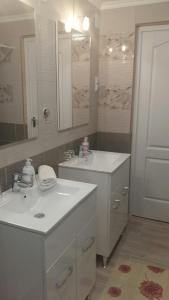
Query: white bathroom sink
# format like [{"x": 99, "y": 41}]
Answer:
[
  {"x": 32, "y": 198},
  {"x": 41, "y": 210},
  {"x": 100, "y": 161},
  {"x": 18, "y": 202}
]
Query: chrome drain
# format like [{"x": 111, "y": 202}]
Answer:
[{"x": 39, "y": 215}]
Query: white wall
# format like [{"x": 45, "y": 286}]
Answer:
[
  {"x": 116, "y": 75},
  {"x": 49, "y": 137}
]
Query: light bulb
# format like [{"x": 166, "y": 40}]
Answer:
[
  {"x": 110, "y": 50},
  {"x": 68, "y": 27},
  {"x": 86, "y": 23},
  {"x": 123, "y": 48}
]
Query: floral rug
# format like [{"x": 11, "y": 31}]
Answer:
[{"x": 131, "y": 280}]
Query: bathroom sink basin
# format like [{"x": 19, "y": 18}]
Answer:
[
  {"x": 99, "y": 161},
  {"x": 41, "y": 210},
  {"x": 19, "y": 202},
  {"x": 34, "y": 200}
]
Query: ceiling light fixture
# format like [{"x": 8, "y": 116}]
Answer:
[
  {"x": 85, "y": 23},
  {"x": 123, "y": 48},
  {"x": 69, "y": 24}
]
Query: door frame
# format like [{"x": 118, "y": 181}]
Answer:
[{"x": 135, "y": 105}]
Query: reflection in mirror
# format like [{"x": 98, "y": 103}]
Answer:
[
  {"x": 73, "y": 77},
  {"x": 80, "y": 78},
  {"x": 64, "y": 95},
  {"x": 18, "y": 81}
]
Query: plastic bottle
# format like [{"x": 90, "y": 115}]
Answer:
[
  {"x": 80, "y": 152},
  {"x": 28, "y": 171},
  {"x": 85, "y": 147}
]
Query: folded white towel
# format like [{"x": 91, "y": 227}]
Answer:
[
  {"x": 47, "y": 176},
  {"x": 45, "y": 187}
]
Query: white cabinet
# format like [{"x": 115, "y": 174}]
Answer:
[
  {"x": 112, "y": 194},
  {"x": 118, "y": 204},
  {"x": 86, "y": 259},
  {"x": 61, "y": 277},
  {"x": 59, "y": 265}
]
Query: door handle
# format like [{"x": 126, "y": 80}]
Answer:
[
  {"x": 34, "y": 121},
  {"x": 64, "y": 277},
  {"x": 116, "y": 203},
  {"x": 125, "y": 190},
  {"x": 89, "y": 243}
]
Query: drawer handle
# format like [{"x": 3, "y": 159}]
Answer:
[
  {"x": 117, "y": 202},
  {"x": 64, "y": 277},
  {"x": 125, "y": 190},
  {"x": 89, "y": 243}
]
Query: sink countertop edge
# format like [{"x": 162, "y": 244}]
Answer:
[{"x": 51, "y": 227}]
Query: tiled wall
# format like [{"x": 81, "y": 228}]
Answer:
[
  {"x": 115, "y": 94},
  {"x": 49, "y": 137},
  {"x": 116, "y": 71},
  {"x": 51, "y": 157},
  {"x": 10, "y": 132},
  {"x": 114, "y": 142}
]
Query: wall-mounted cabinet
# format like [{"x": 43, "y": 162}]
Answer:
[
  {"x": 18, "y": 73},
  {"x": 73, "y": 77}
]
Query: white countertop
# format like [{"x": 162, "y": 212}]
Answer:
[
  {"x": 99, "y": 161},
  {"x": 55, "y": 203}
]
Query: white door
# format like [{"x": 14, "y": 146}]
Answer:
[
  {"x": 31, "y": 86},
  {"x": 150, "y": 161}
]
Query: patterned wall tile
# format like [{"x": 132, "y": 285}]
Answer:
[
  {"x": 81, "y": 46},
  {"x": 117, "y": 46},
  {"x": 116, "y": 97},
  {"x": 116, "y": 56},
  {"x": 6, "y": 93},
  {"x": 81, "y": 97}
]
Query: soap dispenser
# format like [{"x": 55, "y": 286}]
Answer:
[
  {"x": 85, "y": 147},
  {"x": 28, "y": 171}
]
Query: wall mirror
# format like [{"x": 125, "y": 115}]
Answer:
[
  {"x": 73, "y": 77},
  {"x": 18, "y": 72}
]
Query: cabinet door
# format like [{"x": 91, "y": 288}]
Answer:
[
  {"x": 117, "y": 216},
  {"x": 119, "y": 204},
  {"x": 61, "y": 277},
  {"x": 86, "y": 259}
]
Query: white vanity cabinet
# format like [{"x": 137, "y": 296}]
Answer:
[
  {"x": 57, "y": 265},
  {"x": 110, "y": 171},
  {"x": 86, "y": 259},
  {"x": 61, "y": 277}
]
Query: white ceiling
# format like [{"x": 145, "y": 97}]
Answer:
[{"x": 111, "y": 4}]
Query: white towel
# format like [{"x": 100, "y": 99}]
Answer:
[
  {"x": 45, "y": 187},
  {"x": 47, "y": 176}
]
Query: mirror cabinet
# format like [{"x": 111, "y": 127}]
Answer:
[
  {"x": 18, "y": 74},
  {"x": 73, "y": 77}
]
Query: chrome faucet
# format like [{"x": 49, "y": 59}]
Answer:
[{"x": 19, "y": 182}]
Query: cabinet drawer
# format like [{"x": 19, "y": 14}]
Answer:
[
  {"x": 121, "y": 176},
  {"x": 118, "y": 215},
  {"x": 60, "y": 237},
  {"x": 61, "y": 277},
  {"x": 86, "y": 259}
]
